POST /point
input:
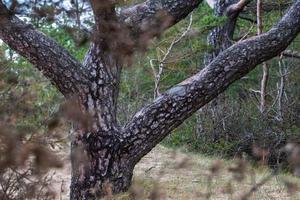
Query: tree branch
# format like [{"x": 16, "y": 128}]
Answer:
[
  {"x": 291, "y": 54},
  {"x": 239, "y": 5},
  {"x": 64, "y": 71},
  {"x": 234, "y": 10},
  {"x": 150, "y": 14},
  {"x": 156, "y": 120}
]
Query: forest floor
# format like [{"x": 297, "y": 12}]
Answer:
[{"x": 176, "y": 175}]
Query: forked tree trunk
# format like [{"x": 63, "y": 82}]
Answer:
[{"x": 99, "y": 167}]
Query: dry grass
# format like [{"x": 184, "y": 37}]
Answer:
[{"x": 165, "y": 174}]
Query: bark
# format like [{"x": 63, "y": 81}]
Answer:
[
  {"x": 103, "y": 161},
  {"x": 146, "y": 16},
  {"x": 221, "y": 37},
  {"x": 104, "y": 154},
  {"x": 101, "y": 167}
]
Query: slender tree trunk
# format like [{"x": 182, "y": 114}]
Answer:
[
  {"x": 265, "y": 77},
  {"x": 221, "y": 37},
  {"x": 263, "y": 89},
  {"x": 283, "y": 71}
]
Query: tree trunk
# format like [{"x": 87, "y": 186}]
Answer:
[
  {"x": 221, "y": 37},
  {"x": 99, "y": 168}
]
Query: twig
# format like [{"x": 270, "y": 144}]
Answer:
[
  {"x": 291, "y": 54},
  {"x": 248, "y": 19},
  {"x": 157, "y": 74}
]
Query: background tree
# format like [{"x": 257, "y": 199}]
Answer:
[
  {"x": 219, "y": 39},
  {"x": 217, "y": 128}
]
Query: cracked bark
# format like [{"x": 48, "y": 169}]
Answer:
[
  {"x": 105, "y": 154},
  {"x": 104, "y": 164}
]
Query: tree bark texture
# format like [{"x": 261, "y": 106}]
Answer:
[{"x": 105, "y": 153}]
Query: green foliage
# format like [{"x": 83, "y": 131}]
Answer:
[{"x": 65, "y": 38}]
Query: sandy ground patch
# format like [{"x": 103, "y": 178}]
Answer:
[{"x": 181, "y": 176}]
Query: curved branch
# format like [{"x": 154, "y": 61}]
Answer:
[
  {"x": 147, "y": 15},
  {"x": 64, "y": 71},
  {"x": 235, "y": 9},
  {"x": 156, "y": 120}
]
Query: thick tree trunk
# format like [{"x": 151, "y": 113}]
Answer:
[{"x": 99, "y": 168}]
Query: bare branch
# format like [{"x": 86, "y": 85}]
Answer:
[
  {"x": 155, "y": 121},
  {"x": 64, "y": 71},
  {"x": 239, "y": 5},
  {"x": 158, "y": 73},
  {"x": 291, "y": 54},
  {"x": 270, "y": 6}
]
